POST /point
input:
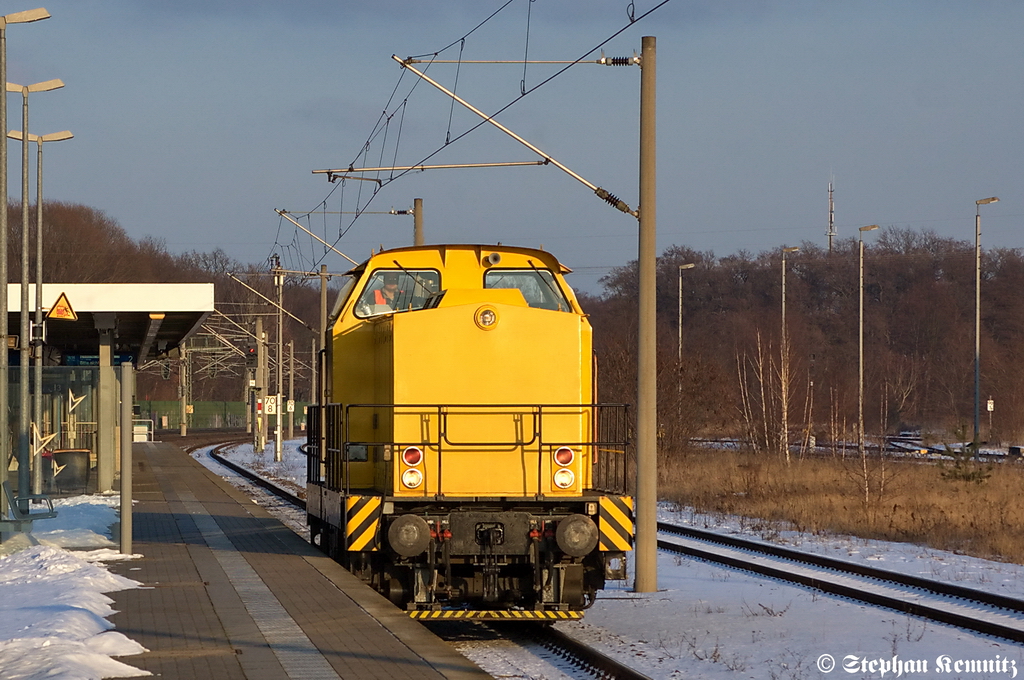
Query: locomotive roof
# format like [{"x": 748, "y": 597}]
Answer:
[{"x": 546, "y": 257}]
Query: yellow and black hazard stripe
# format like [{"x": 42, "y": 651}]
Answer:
[
  {"x": 497, "y": 615},
  {"x": 362, "y": 521},
  {"x": 615, "y": 523}
]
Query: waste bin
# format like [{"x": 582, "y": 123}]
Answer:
[
  {"x": 71, "y": 469},
  {"x": 47, "y": 469}
]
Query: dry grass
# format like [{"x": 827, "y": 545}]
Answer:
[{"x": 908, "y": 501}]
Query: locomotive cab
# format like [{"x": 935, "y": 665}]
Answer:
[{"x": 463, "y": 467}]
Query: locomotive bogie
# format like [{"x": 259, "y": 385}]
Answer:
[{"x": 542, "y": 557}]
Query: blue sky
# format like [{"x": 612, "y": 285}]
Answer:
[{"x": 194, "y": 121}]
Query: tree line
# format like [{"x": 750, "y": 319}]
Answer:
[
  {"x": 919, "y": 302},
  {"x": 918, "y": 329}
]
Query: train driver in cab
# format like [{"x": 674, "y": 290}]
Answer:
[
  {"x": 382, "y": 295},
  {"x": 397, "y": 291},
  {"x": 388, "y": 293}
]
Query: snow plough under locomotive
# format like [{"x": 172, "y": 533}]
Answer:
[{"x": 460, "y": 464}]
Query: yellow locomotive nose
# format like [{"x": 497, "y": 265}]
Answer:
[{"x": 462, "y": 465}]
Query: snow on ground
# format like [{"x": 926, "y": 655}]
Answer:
[
  {"x": 52, "y": 607},
  {"x": 290, "y": 469},
  {"x": 713, "y": 622},
  {"x": 707, "y": 621},
  {"x": 704, "y": 622},
  {"x": 998, "y": 577}
]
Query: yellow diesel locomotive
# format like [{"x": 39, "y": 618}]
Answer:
[{"x": 462, "y": 466}]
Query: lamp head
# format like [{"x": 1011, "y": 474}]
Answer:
[
  {"x": 986, "y": 201},
  {"x": 46, "y": 86},
  {"x": 54, "y": 84},
  {"x": 870, "y": 227},
  {"x": 24, "y": 17},
  {"x": 57, "y": 136}
]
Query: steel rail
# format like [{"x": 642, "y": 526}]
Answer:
[
  {"x": 931, "y": 585},
  {"x": 256, "y": 479},
  {"x": 568, "y": 650},
  {"x": 927, "y": 611},
  {"x": 579, "y": 654}
]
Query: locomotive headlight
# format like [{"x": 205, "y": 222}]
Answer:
[
  {"x": 564, "y": 456},
  {"x": 564, "y": 478},
  {"x": 486, "y": 318},
  {"x": 412, "y": 455},
  {"x": 412, "y": 478}
]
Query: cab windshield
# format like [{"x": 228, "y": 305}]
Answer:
[
  {"x": 397, "y": 290},
  {"x": 538, "y": 286}
]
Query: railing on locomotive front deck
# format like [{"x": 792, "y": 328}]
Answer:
[{"x": 608, "y": 445}]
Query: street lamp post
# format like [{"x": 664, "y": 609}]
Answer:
[
  {"x": 679, "y": 357},
  {"x": 14, "y": 18},
  {"x": 24, "y": 342},
  {"x": 860, "y": 343},
  {"x": 977, "y": 317},
  {"x": 279, "y": 283},
  {"x": 784, "y": 372},
  {"x": 37, "y": 335},
  {"x": 681, "y": 268}
]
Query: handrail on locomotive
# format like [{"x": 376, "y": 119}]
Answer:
[{"x": 608, "y": 448}]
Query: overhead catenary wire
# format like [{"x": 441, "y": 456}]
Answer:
[
  {"x": 471, "y": 31},
  {"x": 451, "y": 109},
  {"x": 526, "y": 48},
  {"x": 385, "y": 118},
  {"x": 568, "y": 65},
  {"x": 602, "y": 193}
]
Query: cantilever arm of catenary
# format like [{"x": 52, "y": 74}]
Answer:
[
  {"x": 601, "y": 193},
  {"x": 342, "y": 173},
  {"x": 224, "y": 341},
  {"x": 284, "y": 214},
  {"x": 234, "y": 323},
  {"x": 271, "y": 302}
]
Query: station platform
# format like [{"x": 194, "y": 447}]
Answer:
[{"x": 230, "y": 592}]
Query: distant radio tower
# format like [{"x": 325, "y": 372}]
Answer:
[{"x": 831, "y": 218}]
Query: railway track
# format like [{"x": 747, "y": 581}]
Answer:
[
  {"x": 258, "y": 480},
  {"x": 984, "y": 612},
  {"x": 559, "y": 653},
  {"x": 586, "y": 659}
]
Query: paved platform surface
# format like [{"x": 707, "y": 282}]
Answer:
[{"x": 230, "y": 592}]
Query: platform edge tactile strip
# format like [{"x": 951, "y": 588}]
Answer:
[
  {"x": 311, "y": 621},
  {"x": 297, "y": 655}
]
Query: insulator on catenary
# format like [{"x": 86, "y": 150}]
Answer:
[
  {"x": 619, "y": 61},
  {"x": 612, "y": 200}
]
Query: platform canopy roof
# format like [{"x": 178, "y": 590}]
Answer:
[{"x": 148, "y": 319}]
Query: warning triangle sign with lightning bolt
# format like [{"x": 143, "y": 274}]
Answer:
[{"x": 61, "y": 309}]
